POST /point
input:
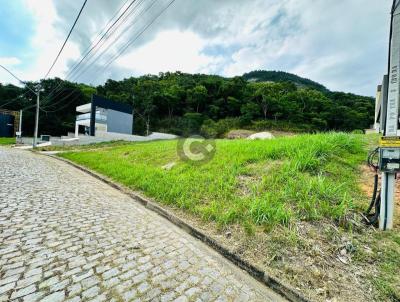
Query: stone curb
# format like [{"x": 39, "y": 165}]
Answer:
[{"x": 278, "y": 286}]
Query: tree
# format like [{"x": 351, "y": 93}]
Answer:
[
  {"x": 197, "y": 97},
  {"x": 143, "y": 100}
]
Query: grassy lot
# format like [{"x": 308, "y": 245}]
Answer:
[
  {"x": 258, "y": 182},
  {"x": 284, "y": 186},
  {"x": 7, "y": 140}
]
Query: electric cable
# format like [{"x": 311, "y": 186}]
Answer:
[
  {"x": 140, "y": 34},
  {"x": 372, "y": 218},
  {"x": 14, "y": 99},
  {"x": 135, "y": 38},
  {"x": 105, "y": 30},
  {"x": 102, "y": 37},
  {"x": 113, "y": 42},
  {"x": 66, "y": 40}
]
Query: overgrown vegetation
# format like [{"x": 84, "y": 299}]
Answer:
[
  {"x": 7, "y": 140},
  {"x": 294, "y": 197},
  {"x": 307, "y": 177},
  {"x": 185, "y": 104}
]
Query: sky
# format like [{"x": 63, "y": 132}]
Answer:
[{"x": 339, "y": 43}]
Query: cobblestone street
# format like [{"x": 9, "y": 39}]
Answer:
[{"x": 66, "y": 236}]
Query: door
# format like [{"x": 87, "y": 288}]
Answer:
[{"x": 6, "y": 125}]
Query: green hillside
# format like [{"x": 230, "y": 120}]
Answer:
[
  {"x": 281, "y": 76},
  {"x": 211, "y": 105}
]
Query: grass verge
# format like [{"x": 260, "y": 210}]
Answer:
[
  {"x": 264, "y": 183},
  {"x": 7, "y": 140},
  {"x": 294, "y": 197}
]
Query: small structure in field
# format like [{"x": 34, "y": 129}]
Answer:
[
  {"x": 238, "y": 134},
  {"x": 261, "y": 135}
]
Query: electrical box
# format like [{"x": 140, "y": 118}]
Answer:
[
  {"x": 389, "y": 160},
  {"x": 45, "y": 138}
]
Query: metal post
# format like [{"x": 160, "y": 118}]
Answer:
[
  {"x": 35, "y": 135},
  {"x": 20, "y": 123},
  {"x": 391, "y": 126},
  {"x": 387, "y": 201}
]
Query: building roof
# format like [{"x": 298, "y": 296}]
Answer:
[{"x": 109, "y": 104}]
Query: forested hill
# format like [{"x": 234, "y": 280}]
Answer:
[
  {"x": 211, "y": 105},
  {"x": 281, "y": 76}
]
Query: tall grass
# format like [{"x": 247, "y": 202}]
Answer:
[
  {"x": 307, "y": 177},
  {"x": 7, "y": 140}
]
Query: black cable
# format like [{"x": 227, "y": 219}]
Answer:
[
  {"x": 372, "y": 219},
  {"x": 133, "y": 40},
  {"x": 14, "y": 99},
  {"x": 130, "y": 43},
  {"x": 66, "y": 40},
  {"x": 89, "y": 49},
  {"x": 373, "y": 195},
  {"x": 102, "y": 37},
  {"x": 113, "y": 42},
  {"x": 139, "y": 35}
]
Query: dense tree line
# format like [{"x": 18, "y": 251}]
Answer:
[{"x": 184, "y": 103}]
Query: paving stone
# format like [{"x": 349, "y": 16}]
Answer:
[
  {"x": 49, "y": 282},
  {"x": 110, "y": 273},
  {"x": 14, "y": 271},
  {"x": 54, "y": 297},
  {"x": 7, "y": 287},
  {"x": 33, "y": 297},
  {"x": 70, "y": 237},
  {"x": 9, "y": 280},
  {"x": 28, "y": 281},
  {"x": 23, "y": 292},
  {"x": 91, "y": 292}
]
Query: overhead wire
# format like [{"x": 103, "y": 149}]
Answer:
[
  {"x": 130, "y": 42},
  {"x": 66, "y": 40},
  {"x": 123, "y": 32},
  {"x": 100, "y": 36}
]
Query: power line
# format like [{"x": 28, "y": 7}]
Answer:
[
  {"x": 66, "y": 40},
  {"x": 104, "y": 35},
  {"x": 17, "y": 78},
  {"x": 114, "y": 42},
  {"x": 125, "y": 47},
  {"x": 139, "y": 35},
  {"x": 13, "y": 100},
  {"x": 12, "y": 74},
  {"x": 106, "y": 30}
]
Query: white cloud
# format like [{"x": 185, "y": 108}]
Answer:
[
  {"x": 342, "y": 44},
  {"x": 9, "y": 61},
  {"x": 44, "y": 45},
  {"x": 170, "y": 51},
  {"x": 47, "y": 41}
]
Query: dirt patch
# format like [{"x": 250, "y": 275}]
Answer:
[
  {"x": 319, "y": 259},
  {"x": 242, "y": 134},
  {"x": 238, "y": 134},
  {"x": 319, "y": 264},
  {"x": 367, "y": 186}
]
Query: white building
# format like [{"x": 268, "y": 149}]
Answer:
[{"x": 104, "y": 116}]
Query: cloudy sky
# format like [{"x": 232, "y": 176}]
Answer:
[{"x": 339, "y": 43}]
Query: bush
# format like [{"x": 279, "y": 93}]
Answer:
[
  {"x": 279, "y": 125},
  {"x": 193, "y": 122},
  {"x": 211, "y": 129}
]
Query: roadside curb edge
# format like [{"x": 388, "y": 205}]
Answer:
[{"x": 278, "y": 286}]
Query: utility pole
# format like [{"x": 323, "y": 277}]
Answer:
[
  {"x": 389, "y": 149},
  {"x": 35, "y": 135},
  {"x": 20, "y": 122},
  {"x": 37, "y": 92}
]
